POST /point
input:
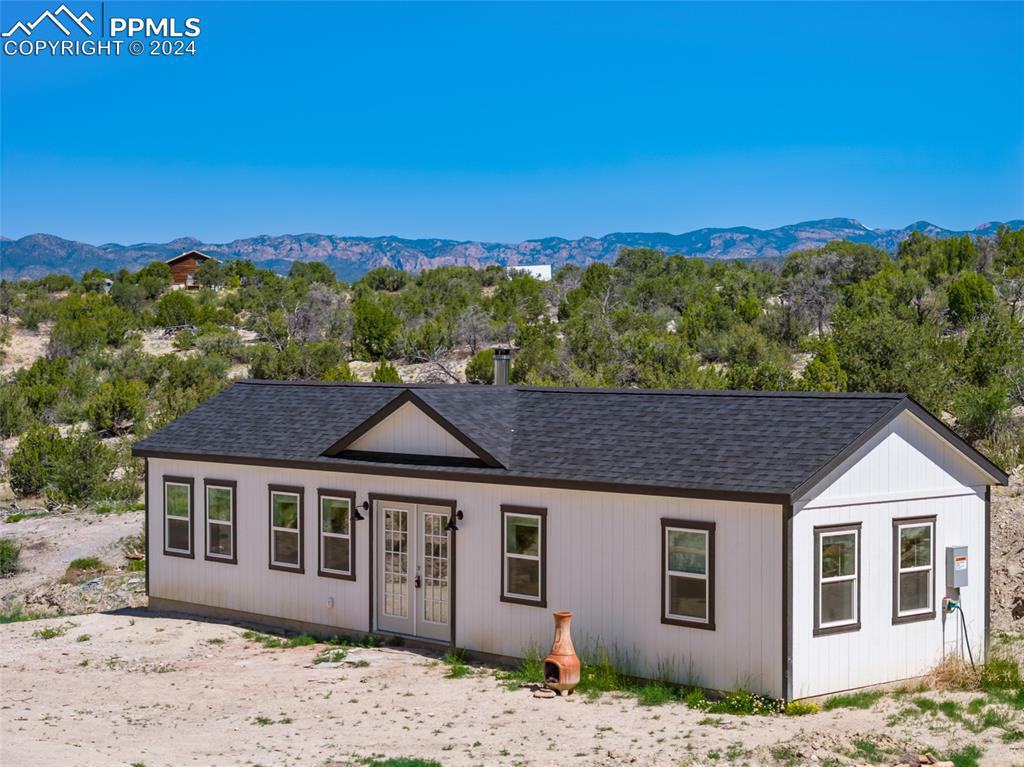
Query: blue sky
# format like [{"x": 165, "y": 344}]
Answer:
[{"x": 512, "y": 121}]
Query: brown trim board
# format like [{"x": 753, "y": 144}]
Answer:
[
  {"x": 145, "y": 523},
  {"x": 492, "y": 477},
  {"x": 988, "y": 569},
  {"x": 787, "y": 601},
  {"x": 526, "y": 511}
]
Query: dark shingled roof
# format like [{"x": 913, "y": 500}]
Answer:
[{"x": 758, "y": 445}]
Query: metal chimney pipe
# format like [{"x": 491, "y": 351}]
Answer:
[{"x": 502, "y": 363}]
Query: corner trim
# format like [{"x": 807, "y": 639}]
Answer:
[
  {"x": 988, "y": 570},
  {"x": 787, "y": 601}
]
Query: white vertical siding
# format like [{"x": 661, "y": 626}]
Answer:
[
  {"x": 410, "y": 430},
  {"x": 906, "y": 471},
  {"x": 604, "y": 564}
]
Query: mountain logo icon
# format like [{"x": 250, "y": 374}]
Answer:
[{"x": 63, "y": 12}]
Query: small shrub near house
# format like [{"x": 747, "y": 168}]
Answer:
[
  {"x": 9, "y": 553},
  {"x": 480, "y": 369},
  {"x": 85, "y": 567}
]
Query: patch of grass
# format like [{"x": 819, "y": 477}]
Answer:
[
  {"x": 136, "y": 566},
  {"x": 331, "y": 655},
  {"x": 52, "y": 632},
  {"x": 10, "y": 551},
  {"x": 83, "y": 637},
  {"x": 1012, "y": 736},
  {"x": 457, "y": 666},
  {"x": 530, "y": 670},
  {"x": 927, "y": 705},
  {"x": 272, "y": 642},
  {"x": 15, "y": 613},
  {"x": 865, "y": 699},
  {"x": 655, "y": 694},
  {"x": 84, "y": 567},
  {"x": 17, "y": 517},
  {"x": 967, "y": 756},
  {"x": 400, "y": 762},
  {"x": 215, "y": 640},
  {"x": 262, "y": 721},
  {"x": 361, "y": 664},
  {"x": 867, "y": 749},
  {"x": 1000, "y": 674},
  {"x": 785, "y": 755},
  {"x": 800, "y": 708}
]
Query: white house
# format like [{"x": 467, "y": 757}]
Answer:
[
  {"x": 540, "y": 272},
  {"x": 793, "y": 544}
]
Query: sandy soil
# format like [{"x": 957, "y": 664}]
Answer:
[
  {"x": 25, "y": 347},
  {"x": 51, "y": 542},
  {"x": 159, "y": 690}
]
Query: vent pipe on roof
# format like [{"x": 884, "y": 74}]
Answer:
[{"x": 502, "y": 363}]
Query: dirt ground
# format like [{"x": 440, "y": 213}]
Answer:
[
  {"x": 134, "y": 688},
  {"x": 25, "y": 347}
]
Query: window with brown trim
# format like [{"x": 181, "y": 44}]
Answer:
[
  {"x": 837, "y": 578},
  {"x": 688, "y": 573},
  {"x": 913, "y": 569},
  {"x": 524, "y": 555},
  {"x": 178, "y": 516},
  {"x": 286, "y": 511},
  {"x": 336, "y": 536},
  {"x": 221, "y": 520}
]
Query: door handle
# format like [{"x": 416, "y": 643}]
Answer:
[{"x": 417, "y": 581}]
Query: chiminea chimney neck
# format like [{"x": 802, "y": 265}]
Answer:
[{"x": 502, "y": 364}]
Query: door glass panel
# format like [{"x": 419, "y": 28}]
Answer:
[
  {"x": 435, "y": 568},
  {"x": 396, "y": 563}
]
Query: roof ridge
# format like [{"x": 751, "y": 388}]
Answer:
[{"x": 586, "y": 390}]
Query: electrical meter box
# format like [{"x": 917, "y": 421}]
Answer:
[{"x": 956, "y": 567}]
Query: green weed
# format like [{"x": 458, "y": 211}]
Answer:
[{"x": 864, "y": 699}]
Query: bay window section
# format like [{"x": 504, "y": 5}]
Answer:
[
  {"x": 688, "y": 573},
  {"x": 837, "y": 578}
]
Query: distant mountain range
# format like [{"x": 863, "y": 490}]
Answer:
[{"x": 351, "y": 257}]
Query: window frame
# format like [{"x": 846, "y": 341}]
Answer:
[
  {"x": 928, "y": 613},
  {"x": 349, "y": 496},
  {"x": 690, "y": 526},
  {"x": 223, "y": 484},
  {"x": 821, "y": 532},
  {"x": 299, "y": 492},
  {"x": 190, "y": 483},
  {"x": 541, "y": 514}
]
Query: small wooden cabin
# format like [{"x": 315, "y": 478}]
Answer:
[
  {"x": 792, "y": 544},
  {"x": 183, "y": 268}
]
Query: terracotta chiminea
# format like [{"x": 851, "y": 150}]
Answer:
[{"x": 562, "y": 666}]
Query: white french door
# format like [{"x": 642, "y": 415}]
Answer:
[{"x": 414, "y": 569}]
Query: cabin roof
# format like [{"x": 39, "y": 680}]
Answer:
[
  {"x": 194, "y": 253},
  {"x": 767, "y": 446}
]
